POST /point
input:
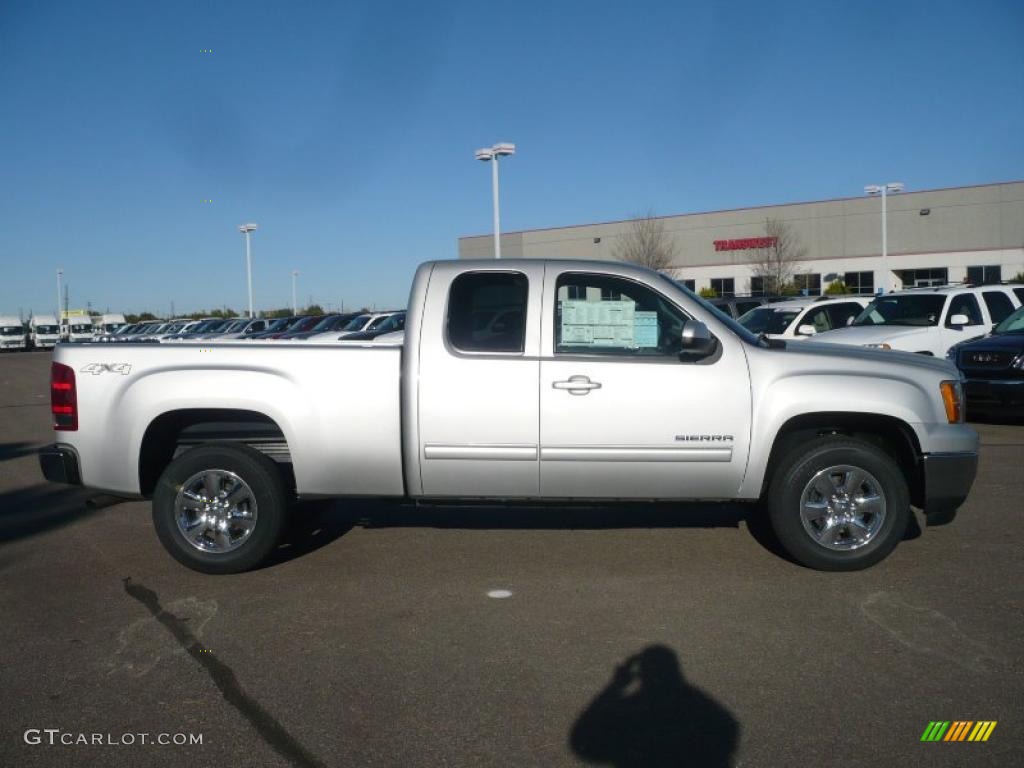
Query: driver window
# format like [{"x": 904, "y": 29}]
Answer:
[
  {"x": 819, "y": 319},
  {"x": 604, "y": 315},
  {"x": 964, "y": 304}
]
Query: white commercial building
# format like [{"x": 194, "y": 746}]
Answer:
[{"x": 939, "y": 236}]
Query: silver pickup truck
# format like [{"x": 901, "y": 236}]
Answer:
[{"x": 532, "y": 379}]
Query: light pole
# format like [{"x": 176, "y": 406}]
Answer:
[
  {"x": 883, "y": 190},
  {"x": 247, "y": 229},
  {"x": 492, "y": 154},
  {"x": 295, "y": 309},
  {"x": 60, "y": 274}
]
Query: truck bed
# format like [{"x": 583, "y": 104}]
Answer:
[{"x": 337, "y": 406}]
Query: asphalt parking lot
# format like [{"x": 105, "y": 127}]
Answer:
[{"x": 626, "y": 636}]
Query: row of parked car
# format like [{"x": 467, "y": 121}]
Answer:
[
  {"x": 978, "y": 328},
  {"x": 351, "y": 326}
]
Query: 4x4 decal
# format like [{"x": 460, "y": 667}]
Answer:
[{"x": 97, "y": 368}]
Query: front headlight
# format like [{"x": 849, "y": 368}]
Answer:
[
  {"x": 952, "y": 399},
  {"x": 879, "y": 345}
]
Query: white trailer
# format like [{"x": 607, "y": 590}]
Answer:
[
  {"x": 109, "y": 323},
  {"x": 12, "y": 332},
  {"x": 44, "y": 331}
]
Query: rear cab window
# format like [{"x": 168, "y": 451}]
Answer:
[{"x": 487, "y": 312}]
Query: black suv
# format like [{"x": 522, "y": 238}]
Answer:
[{"x": 993, "y": 368}]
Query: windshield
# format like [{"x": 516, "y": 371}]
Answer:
[
  {"x": 356, "y": 323},
  {"x": 10, "y": 330},
  {"x": 1012, "y": 324},
  {"x": 905, "y": 309},
  {"x": 280, "y": 324},
  {"x": 81, "y": 329},
  {"x": 236, "y": 326},
  {"x": 377, "y": 323},
  {"x": 46, "y": 329},
  {"x": 393, "y": 323},
  {"x": 766, "y": 320},
  {"x": 328, "y": 323},
  {"x": 113, "y": 327}
]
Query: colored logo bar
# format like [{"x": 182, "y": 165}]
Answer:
[{"x": 959, "y": 730}]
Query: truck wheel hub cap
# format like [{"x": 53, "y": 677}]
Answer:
[
  {"x": 215, "y": 511},
  {"x": 842, "y": 507}
]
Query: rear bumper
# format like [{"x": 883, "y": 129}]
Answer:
[
  {"x": 948, "y": 478},
  {"x": 60, "y": 464}
]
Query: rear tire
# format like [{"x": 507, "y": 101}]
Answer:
[
  {"x": 838, "y": 504},
  {"x": 220, "y": 508}
]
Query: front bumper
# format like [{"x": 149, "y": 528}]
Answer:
[
  {"x": 982, "y": 394},
  {"x": 948, "y": 478},
  {"x": 60, "y": 464}
]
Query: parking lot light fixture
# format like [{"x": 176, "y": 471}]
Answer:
[
  {"x": 883, "y": 190},
  {"x": 491, "y": 154},
  {"x": 60, "y": 274},
  {"x": 295, "y": 306},
  {"x": 247, "y": 229}
]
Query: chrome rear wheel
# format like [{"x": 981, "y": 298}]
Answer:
[{"x": 215, "y": 510}]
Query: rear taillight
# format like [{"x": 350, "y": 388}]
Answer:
[{"x": 63, "y": 398}]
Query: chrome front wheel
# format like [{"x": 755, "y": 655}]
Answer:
[
  {"x": 842, "y": 507},
  {"x": 838, "y": 503}
]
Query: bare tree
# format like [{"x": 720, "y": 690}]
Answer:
[
  {"x": 775, "y": 259},
  {"x": 647, "y": 243}
]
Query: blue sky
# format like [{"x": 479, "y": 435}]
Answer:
[{"x": 347, "y": 129}]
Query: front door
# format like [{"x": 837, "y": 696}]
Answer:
[{"x": 621, "y": 415}]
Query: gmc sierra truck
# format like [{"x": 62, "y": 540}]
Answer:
[{"x": 519, "y": 379}]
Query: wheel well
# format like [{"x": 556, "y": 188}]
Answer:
[
  {"x": 892, "y": 435},
  {"x": 174, "y": 432}
]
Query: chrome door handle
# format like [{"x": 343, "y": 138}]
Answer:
[{"x": 577, "y": 385}]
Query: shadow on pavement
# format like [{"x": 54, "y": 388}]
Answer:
[
  {"x": 315, "y": 524},
  {"x": 27, "y": 511},
  {"x": 16, "y": 450},
  {"x": 648, "y": 715}
]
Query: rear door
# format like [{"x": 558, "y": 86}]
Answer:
[
  {"x": 478, "y": 402},
  {"x": 621, "y": 415}
]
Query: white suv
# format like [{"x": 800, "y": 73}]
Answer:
[
  {"x": 804, "y": 317},
  {"x": 928, "y": 320}
]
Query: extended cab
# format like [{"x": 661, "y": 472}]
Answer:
[{"x": 605, "y": 381}]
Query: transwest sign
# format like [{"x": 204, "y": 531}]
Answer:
[{"x": 745, "y": 243}]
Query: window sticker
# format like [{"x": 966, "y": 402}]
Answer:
[
  {"x": 645, "y": 329},
  {"x": 599, "y": 323}
]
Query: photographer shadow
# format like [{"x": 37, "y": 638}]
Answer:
[{"x": 648, "y": 715}]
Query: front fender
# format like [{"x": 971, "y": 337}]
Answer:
[{"x": 804, "y": 394}]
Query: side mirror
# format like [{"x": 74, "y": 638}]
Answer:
[
  {"x": 696, "y": 341},
  {"x": 959, "y": 319},
  {"x": 806, "y": 330}
]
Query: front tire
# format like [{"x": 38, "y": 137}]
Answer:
[
  {"x": 220, "y": 508},
  {"x": 839, "y": 504}
]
